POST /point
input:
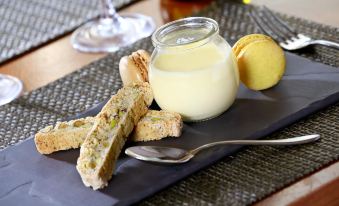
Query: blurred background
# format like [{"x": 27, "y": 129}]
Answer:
[{"x": 321, "y": 11}]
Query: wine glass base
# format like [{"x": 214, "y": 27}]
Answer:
[
  {"x": 95, "y": 36},
  {"x": 10, "y": 88}
]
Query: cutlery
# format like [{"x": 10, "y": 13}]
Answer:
[
  {"x": 287, "y": 37},
  {"x": 174, "y": 155}
]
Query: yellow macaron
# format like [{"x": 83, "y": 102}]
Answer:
[{"x": 261, "y": 61}]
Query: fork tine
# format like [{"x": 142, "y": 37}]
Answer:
[
  {"x": 263, "y": 25},
  {"x": 274, "y": 26},
  {"x": 257, "y": 21},
  {"x": 280, "y": 21}
]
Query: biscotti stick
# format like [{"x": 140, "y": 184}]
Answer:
[
  {"x": 67, "y": 135},
  {"x": 154, "y": 125},
  {"x": 64, "y": 136},
  {"x": 143, "y": 88},
  {"x": 102, "y": 146}
]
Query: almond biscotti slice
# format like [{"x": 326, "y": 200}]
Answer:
[
  {"x": 156, "y": 125},
  {"x": 64, "y": 136},
  {"x": 103, "y": 144}
]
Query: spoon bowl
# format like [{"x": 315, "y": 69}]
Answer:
[{"x": 159, "y": 154}]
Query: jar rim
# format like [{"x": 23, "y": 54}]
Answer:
[{"x": 190, "y": 22}]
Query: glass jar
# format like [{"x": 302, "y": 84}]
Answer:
[{"x": 193, "y": 70}]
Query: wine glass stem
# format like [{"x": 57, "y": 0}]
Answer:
[{"x": 109, "y": 11}]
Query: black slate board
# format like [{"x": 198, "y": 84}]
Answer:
[{"x": 34, "y": 179}]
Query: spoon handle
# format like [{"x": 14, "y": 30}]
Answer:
[{"x": 288, "y": 141}]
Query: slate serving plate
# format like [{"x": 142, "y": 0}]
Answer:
[{"x": 34, "y": 179}]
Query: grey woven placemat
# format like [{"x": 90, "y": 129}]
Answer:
[
  {"x": 27, "y": 24},
  {"x": 241, "y": 179}
]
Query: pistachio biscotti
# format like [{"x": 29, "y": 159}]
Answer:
[
  {"x": 154, "y": 125},
  {"x": 112, "y": 126},
  {"x": 64, "y": 136}
]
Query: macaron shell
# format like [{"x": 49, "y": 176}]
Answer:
[
  {"x": 129, "y": 72},
  {"x": 141, "y": 61},
  {"x": 145, "y": 57},
  {"x": 244, "y": 41},
  {"x": 261, "y": 64}
]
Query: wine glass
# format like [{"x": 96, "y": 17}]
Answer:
[
  {"x": 111, "y": 31},
  {"x": 10, "y": 88}
]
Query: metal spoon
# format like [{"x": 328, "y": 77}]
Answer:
[{"x": 177, "y": 155}]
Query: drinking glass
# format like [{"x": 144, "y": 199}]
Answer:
[
  {"x": 10, "y": 88},
  {"x": 111, "y": 31}
]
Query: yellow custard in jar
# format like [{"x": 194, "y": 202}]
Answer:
[{"x": 193, "y": 70}]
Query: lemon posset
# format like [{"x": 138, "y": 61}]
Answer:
[{"x": 193, "y": 70}]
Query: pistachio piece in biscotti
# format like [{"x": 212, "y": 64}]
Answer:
[{"x": 134, "y": 68}]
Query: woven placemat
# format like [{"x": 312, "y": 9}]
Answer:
[
  {"x": 27, "y": 24},
  {"x": 240, "y": 179}
]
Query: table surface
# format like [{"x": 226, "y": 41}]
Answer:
[{"x": 57, "y": 59}]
